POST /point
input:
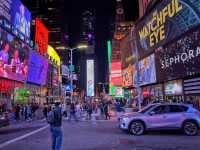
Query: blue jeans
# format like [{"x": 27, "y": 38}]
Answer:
[{"x": 56, "y": 134}]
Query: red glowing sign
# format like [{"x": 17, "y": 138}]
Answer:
[
  {"x": 116, "y": 74},
  {"x": 41, "y": 36},
  {"x": 8, "y": 85}
]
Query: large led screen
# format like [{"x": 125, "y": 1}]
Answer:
[
  {"x": 174, "y": 87},
  {"x": 180, "y": 58},
  {"x": 147, "y": 70},
  {"x": 17, "y": 14},
  {"x": 21, "y": 17},
  {"x": 117, "y": 91},
  {"x": 38, "y": 67},
  {"x": 168, "y": 20},
  {"x": 13, "y": 57},
  {"x": 116, "y": 74},
  {"x": 41, "y": 36},
  {"x": 127, "y": 76},
  {"x": 90, "y": 77}
]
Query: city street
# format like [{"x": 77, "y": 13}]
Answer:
[{"x": 89, "y": 135}]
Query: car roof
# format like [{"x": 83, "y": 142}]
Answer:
[{"x": 182, "y": 104}]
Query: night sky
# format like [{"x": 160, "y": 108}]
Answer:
[{"x": 105, "y": 17}]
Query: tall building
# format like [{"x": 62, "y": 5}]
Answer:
[
  {"x": 49, "y": 12},
  {"x": 119, "y": 18},
  {"x": 87, "y": 30},
  {"x": 87, "y": 37}
]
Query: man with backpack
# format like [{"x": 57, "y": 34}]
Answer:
[{"x": 54, "y": 118}]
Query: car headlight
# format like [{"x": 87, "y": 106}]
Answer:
[{"x": 125, "y": 119}]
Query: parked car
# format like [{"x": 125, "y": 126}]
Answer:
[
  {"x": 4, "y": 121},
  {"x": 162, "y": 117}
]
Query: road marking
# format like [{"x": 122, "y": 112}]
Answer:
[{"x": 22, "y": 137}]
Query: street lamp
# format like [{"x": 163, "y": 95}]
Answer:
[{"x": 80, "y": 46}]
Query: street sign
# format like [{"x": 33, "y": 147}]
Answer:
[{"x": 71, "y": 68}]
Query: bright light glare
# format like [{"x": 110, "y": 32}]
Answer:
[{"x": 82, "y": 46}]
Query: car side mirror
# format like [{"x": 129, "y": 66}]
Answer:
[{"x": 152, "y": 113}]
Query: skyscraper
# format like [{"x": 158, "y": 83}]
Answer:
[
  {"x": 87, "y": 37},
  {"x": 87, "y": 30}
]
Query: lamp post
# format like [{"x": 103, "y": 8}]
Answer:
[{"x": 71, "y": 62}]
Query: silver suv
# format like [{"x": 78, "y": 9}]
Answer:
[{"x": 162, "y": 116}]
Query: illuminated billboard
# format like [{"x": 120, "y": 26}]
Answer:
[
  {"x": 14, "y": 57},
  {"x": 115, "y": 74},
  {"x": 38, "y": 67},
  {"x": 117, "y": 91},
  {"x": 167, "y": 21},
  {"x": 180, "y": 58},
  {"x": 14, "y": 12},
  {"x": 90, "y": 77},
  {"x": 127, "y": 76},
  {"x": 147, "y": 70},
  {"x": 173, "y": 87},
  {"x": 41, "y": 36},
  {"x": 55, "y": 59}
]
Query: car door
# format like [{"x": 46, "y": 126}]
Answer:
[
  {"x": 156, "y": 117},
  {"x": 175, "y": 116}
]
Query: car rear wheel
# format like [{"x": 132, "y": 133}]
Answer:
[
  {"x": 190, "y": 128},
  {"x": 137, "y": 128}
]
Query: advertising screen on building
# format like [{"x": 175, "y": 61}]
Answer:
[
  {"x": 143, "y": 4},
  {"x": 90, "y": 77},
  {"x": 168, "y": 20},
  {"x": 127, "y": 48},
  {"x": 14, "y": 12},
  {"x": 13, "y": 57},
  {"x": 127, "y": 76},
  {"x": 173, "y": 87},
  {"x": 41, "y": 36},
  {"x": 117, "y": 91},
  {"x": 55, "y": 59},
  {"x": 38, "y": 67},
  {"x": 55, "y": 77},
  {"x": 147, "y": 70},
  {"x": 181, "y": 57},
  {"x": 115, "y": 74}
]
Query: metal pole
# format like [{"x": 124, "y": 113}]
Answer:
[{"x": 71, "y": 78}]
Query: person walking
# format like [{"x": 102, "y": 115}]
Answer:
[
  {"x": 72, "y": 112},
  {"x": 45, "y": 111},
  {"x": 54, "y": 118},
  {"x": 89, "y": 110},
  {"x": 18, "y": 112}
]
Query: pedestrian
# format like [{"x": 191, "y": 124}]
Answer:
[
  {"x": 64, "y": 110},
  {"x": 14, "y": 112},
  {"x": 105, "y": 108},
  {"x": 18, "y": 112},
  {"x": 54, "y": 118},
  {"x": 45, "y": 111},
  {"x": 89, "y": 111},
  {"x": 72, "y": 112},
  {"x": 29, "y": 113},
  {"x": 78, "y": 110}
]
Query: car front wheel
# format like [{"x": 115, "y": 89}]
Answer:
[
  {"x": 190, "y": 128},
  {"x": 137, "y": 128}
]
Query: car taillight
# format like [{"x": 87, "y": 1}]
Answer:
[{"x": 198, "y": 113}]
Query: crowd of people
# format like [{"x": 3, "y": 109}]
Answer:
[
  {"x": 83, "y": 110},
  {"x": 24, "y": 112}
]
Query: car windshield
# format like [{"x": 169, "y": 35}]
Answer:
[{"x": 147, "y": 108}]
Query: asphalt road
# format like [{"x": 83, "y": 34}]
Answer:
[{"x": 102, "y": 135}]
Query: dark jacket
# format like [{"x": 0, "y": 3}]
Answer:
[{"x": 57, "y": 117}]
